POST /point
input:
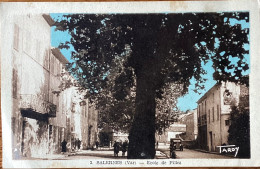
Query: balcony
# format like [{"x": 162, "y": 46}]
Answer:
[{"x": 35, "y": 107}]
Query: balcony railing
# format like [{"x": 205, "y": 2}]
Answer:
[{"x": 35, "y": 104}]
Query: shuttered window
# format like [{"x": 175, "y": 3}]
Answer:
[
  {"x": 16, "y": 37},
  {"x": 14, "y": 83},
  {"x": 46, "y": 59},
  {"x": 209, "y": 116},
  {"x": 218, "y": 113},
  {"x": 213, "y": 114},
  {"x": 52, "y": 65}
]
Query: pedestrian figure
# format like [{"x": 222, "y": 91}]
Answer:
[
  {"x": 68, "y": 148},
  {"x": 172, "y": 150},
  {"x": 17, "y": 153},
  {"x": 97, "y": 143},
  {"x": 181, "y": 147},
  {"x": 173, "y": 154},
  {"x": 75, "y": 142},
  {"x": 171, "y": 147},
  {"x": 79, "y": 144},
  {"x": 63, "y": 146},
  {"x": 116, "y": 149},
  {"x": 124, "y": 148}
]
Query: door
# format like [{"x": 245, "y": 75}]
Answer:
[
  {"x": 34, "y": 138},
  {"x": 211, "y": 141}
]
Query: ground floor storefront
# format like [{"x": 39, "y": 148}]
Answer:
[{"x": 35, "y": 137}]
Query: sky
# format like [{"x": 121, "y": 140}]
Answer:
[{"x": 186, "y": 102}]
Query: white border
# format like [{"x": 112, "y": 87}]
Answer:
[{"x": 8, "y": 9}]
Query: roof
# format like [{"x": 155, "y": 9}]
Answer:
[
  {"x": 177, "y": 138},
  {"x": 190, "y": 112},
  {"x": 56, "y": 52},
  {"x": 48, "y": 19},
  {"x": 207, "y": 93},
  {"x": 177, "y": 128}
]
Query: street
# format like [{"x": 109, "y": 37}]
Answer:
[
  {"x": 97, "y": 154},
  {"x": 161, "y": 153},
  {"x": 193, "y": 154}
]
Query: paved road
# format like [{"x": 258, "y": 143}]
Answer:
[
  {"x": 192, "y": 154},
  {"x": 100, "y": 154},
  {"x": 162, "y": 154},
  {"x": 108, "y": 154},
  {"x": 96, "y": 154},
  {"x": 185, "y": 154}
]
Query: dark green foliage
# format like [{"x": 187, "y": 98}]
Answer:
[
  {"x": 160, "y": 44},
  {"x": 239, "y": 131},
  {"x": 116, "y": 53}
]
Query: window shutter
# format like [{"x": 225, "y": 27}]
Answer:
[
  {"x": 15, "y": 83},
  {"x": 52, "y": 65},
  {"x": 213, "y": 114},
  {"x": 16, "y": 37},
  {"x": 46, "y": 59}
]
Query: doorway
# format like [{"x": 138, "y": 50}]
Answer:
[{"x": 211, "y": 141}]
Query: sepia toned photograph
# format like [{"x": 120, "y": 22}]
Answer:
[{"x": 112, "y": 87}]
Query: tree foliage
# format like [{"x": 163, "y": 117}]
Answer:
[
  {"x": 117, "y": 53},
  {"x": 172, "y": 40},
  {"x": 166, "y": 106},
  {"x": 239, "y": 130}
]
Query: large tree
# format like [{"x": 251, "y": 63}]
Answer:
[
  {"x": 239, "y": 130},
  {"x": 153, "y": 50}
]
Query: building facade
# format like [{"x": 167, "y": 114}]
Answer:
[
  {"x": 191, "y": 121},
  {"x": 81, "y": 120},
  {"x": 92, "y": 126},
  {"x": 33, "y": 106},
  {"x": 214, "y": 112},
  {"x": 42, "y": 116},
  {"x": 173, "y": 131}
]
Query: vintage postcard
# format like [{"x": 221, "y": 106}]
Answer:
[{"x": 130, "y": 84}]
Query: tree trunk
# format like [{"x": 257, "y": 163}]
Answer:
[{"x": 142, "y": 133}]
